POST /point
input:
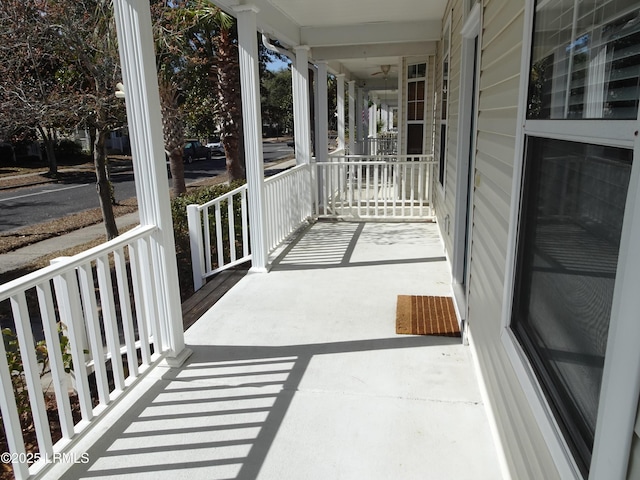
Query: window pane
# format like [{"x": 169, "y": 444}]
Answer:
[
  {"x": 443, "y": 152},
  {"x": 445, "y": 88},
  {"x": 421, "y": 70},
  {"x": 571, "y": 220},
  {"x": 420, "y": 90},
  {"x": 412, "y": 89},
  {"x": 585, "y": 62},
  {"x": 415, "y": 133},
  {"x": 411, "y": 111}
]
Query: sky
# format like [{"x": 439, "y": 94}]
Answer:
[{"x": 276, "y": 65}]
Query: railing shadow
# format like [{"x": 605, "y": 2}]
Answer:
[
  {"x": 218, "y": 417},
  {"x": 334, "y": 243}
]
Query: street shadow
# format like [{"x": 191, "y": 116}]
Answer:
[{"x": 220, "y": 414}]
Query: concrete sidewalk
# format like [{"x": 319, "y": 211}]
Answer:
[{"x": 24, "y": 256}]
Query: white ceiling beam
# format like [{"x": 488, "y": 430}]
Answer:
[
  {"x": 368, "y": 51},
  {"x": 379, "y": 32},
  {"x": 270, "y": 20},
  {"x": 338, "y": 68},
  {"x": 377, "y": 83}
]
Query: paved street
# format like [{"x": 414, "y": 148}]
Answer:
[{"x": 40, "y": 203}]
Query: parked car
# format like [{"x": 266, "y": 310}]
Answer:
[
  {"x": 194, "y": 150},
  {"x": 215, "y": 145}
]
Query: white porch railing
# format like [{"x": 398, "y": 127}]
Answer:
[
  {"x": 287, "y": 205},
  {"x": 347, "y": 186},
  {"x": 105, "y": 300},
  {"x": 375, "y": 187},
  {"x": 385, "y": 144},
  {"x": 228, "y": 210}
]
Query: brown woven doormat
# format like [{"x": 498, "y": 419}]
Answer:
[{"x": 425, "y": 315}]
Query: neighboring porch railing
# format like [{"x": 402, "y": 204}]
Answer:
[
  {"x": 375, "y": 187},
  {"x": 216, "y": 241},
  {"x": 81, "y": 314},
  {"x": 346, "y": 186},
  {"x": 385, "y": 144}
]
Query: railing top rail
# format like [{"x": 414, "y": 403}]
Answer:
[
  {"x": 404, "y": 156},
  {"x": 32, "y": 279},
  {"x": 222, "y": 197},
  {"x": 375, "y": 162},
  {"x": 290, "y": 171}
]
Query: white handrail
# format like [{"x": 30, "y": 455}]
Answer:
[
  {"x": 123, "y": 308},
  {"x": 383, "y": 187},
  {"x": 287, "y": 204}
]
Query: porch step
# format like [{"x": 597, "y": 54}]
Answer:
[{"x": 201, "y": 301}]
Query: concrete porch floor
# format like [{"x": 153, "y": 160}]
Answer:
[{"x": 298, "y": 374}]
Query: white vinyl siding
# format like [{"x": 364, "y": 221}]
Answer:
[
  {"x": 525, "y": 448},
  {"x": 445, "y": 196},
  {"x": 634, "y": 460}
]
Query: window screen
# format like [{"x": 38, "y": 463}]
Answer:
[{"x": 571, "y": 220}]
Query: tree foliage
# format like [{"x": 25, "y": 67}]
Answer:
[
  {"x": 33, "y": 97},
  {"x": 59, "y": 66},
  {"x": 87, "y": 34},
  {"x": 277, "y": 101}
]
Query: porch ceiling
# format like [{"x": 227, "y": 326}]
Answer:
[{"x": 355, "y": 37}]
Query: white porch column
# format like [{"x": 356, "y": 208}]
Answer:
[
  {"x": 252, "y": 118},
  {"x": 137, "y": 56},
  {"x": 301, "y": 111},
  {"x": 352, "y": 117},
  {"x": 323, "y": 114},
  {"x": 373, "y": 118},
  {"x": 384, "y": 116},
  {"x": 340, "y": 107},
  {"x": 400, "y": 113},
  {"x": 360, "y": 121}
]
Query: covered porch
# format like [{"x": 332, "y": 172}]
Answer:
[{"x": 299, "y": 374}]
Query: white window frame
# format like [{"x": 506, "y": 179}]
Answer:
[
  {"x": 444, "y": 155},
  {"x": 468, "y": 97},
  {"x": 423, "y": 122},
  {"x": 621, "y": 383}
]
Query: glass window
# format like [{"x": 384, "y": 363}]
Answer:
[
  {"x": 585, "y": 60},
  {"x": 571, "y": 220},
  {"x": 442, "y": 157},
  {"x": 416, "y": 92}
]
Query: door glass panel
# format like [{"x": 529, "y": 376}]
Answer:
[
  {"x": 415, "y": 133},
  {"x": 571, "y": 220}
]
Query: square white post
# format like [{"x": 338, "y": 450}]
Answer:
[
  {"x": 360, "y": 121},
  {"x": 301, "y": 111},
  {"x": 137, "y": 56},
  {"x": 352, "y": 117},
  {"x": 340, "y": 108},
  {"x": 252, "y": 117},
  {"x": 322, "y": 131}
]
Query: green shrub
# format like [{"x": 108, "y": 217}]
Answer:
[
  {"x": 16, "y": 370},
  {"x": 68, "y": 149}
]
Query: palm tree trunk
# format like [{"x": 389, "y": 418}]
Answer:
[
  {"x": 173, "y": 130},
  {"x": 230, "y": 97}
]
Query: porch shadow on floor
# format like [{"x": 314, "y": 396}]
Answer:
[
  {"x": 298, "y": 374},
  {"x": 259, "y": 383}
]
